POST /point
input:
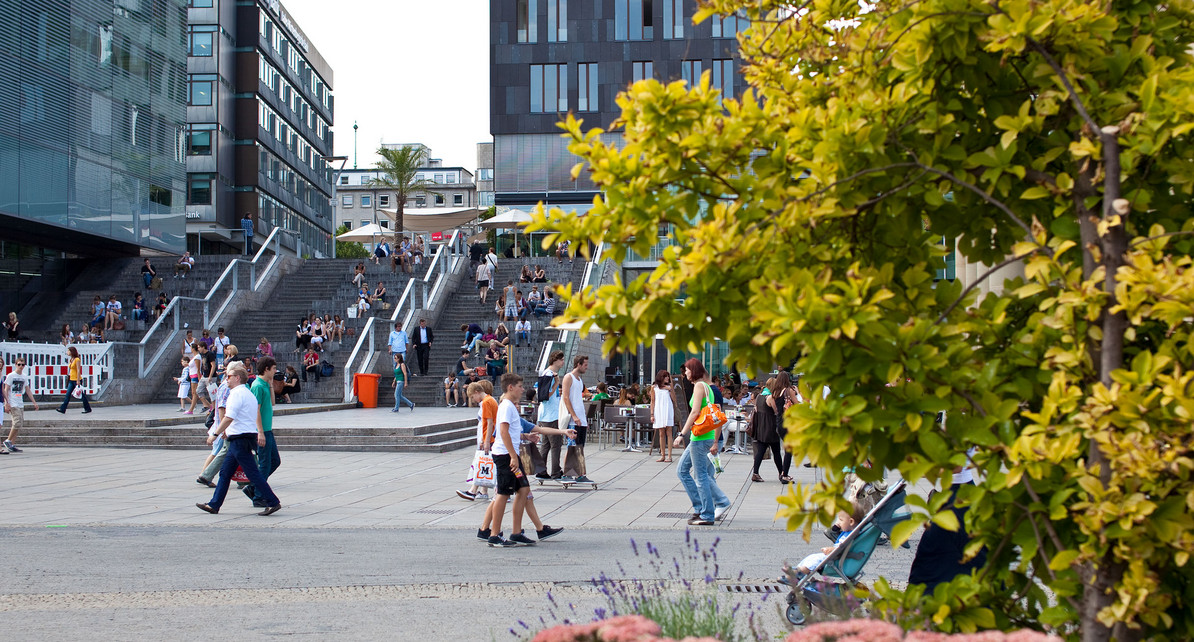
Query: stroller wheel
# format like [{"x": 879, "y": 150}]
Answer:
[{"x": 794, "y": 614}]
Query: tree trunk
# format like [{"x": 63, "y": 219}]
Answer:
[{"x": 1105, "y": 573}]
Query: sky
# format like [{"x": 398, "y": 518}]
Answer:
[{"x": 406, "y": 71}]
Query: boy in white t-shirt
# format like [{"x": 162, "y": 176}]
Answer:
[
  {"x": 16, "y": 386},
  {"x": 511, "y": 480}
]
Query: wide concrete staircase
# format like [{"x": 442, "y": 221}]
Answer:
[
  {"x": 322, "y": 286},
  {"x": 464, "y": 307}
]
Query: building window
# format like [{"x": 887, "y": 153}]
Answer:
[
  {"x": 343, "y": 180},
  {"x": 458, "y": 199},
  {"x": 200, "y": 88},
  {"x": 557, "y": 20},
  {"x": 364, "y": 222},
  {"x": 586, "y": 84},
  {"x": 450, "y": 177},
  {"x": 383, "y": 200},
  {"x": 729, "y": 26},
  {"x": 384, "y": 223},
  {"x": 346, "y": 200},
  {"x": 420, "y": 201},
  {"x": 200, "y": 4},
  {"x": 439, "y": 200},
  {"x": 199, "y": 189},
  {"x": 528, "y": 15},
  {"x": 549, "y": 89},
  {"x": 690, "y": 71},
  {"x": 634, "y": 20},
  {"x": 366, "y": 200},
  {"x": 199, "y": 142},
  {"x": 439, "y": 178},
  {"x": 723, "y": 78},
  {"x": 642, "y": 71},
  {"x": 201, "y": 41},
  {"x": 673, "y": 19},
  {"x": 485, "y": 174}
]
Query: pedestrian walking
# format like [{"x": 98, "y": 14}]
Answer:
[
  {"x": 480, "y": 394},
  {"x": 423, "y": 339},
  {"x": 16, "y": 386},
  {"x": 695, "y": 469},
  {"x": 483, "y": 276},
  {"x": 243, "y": 431},
  {"x": 548, "y": 394},
  {"x": 782, "y": 397},
  {"x": 767, "y": 433},
  {"x": 219, "y": 447},
  {"x": 74, "y": 372},
  {"x": 246, "y": 224},
  {"x": 398, "y": 341},
  {"x": 401, "y": 376},
  {"x": 268, "y": 459},
  {"x": 572, "y": 411}
]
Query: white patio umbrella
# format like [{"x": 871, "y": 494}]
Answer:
[
  {"x": 508, "y": 220},
  {"x": 364, "y": 233}
]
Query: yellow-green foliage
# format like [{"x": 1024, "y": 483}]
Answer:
[{"x": 808, "y": 216}]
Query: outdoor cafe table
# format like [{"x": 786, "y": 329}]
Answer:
[{"x": 631, "y": 425}]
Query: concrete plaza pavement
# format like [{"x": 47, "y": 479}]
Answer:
[{"x": 108, "y": 541}]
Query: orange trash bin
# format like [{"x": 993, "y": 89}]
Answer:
[{"x": 365, "y": 385}]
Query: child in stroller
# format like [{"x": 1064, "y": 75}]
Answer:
[
  {"x": 841, "y": 565},
  {"x": 843, "y": 525}
]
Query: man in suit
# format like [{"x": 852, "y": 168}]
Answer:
[{"x": 422, "y": 340}]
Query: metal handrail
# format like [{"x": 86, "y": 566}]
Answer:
[
  {"x": 173, "y": 309},
  {"x": 408, "y": 303},
  {"x": 566, "y": 335}
]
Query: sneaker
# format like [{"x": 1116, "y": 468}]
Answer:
[
  {"x": 483, "y": 534},
  {"x": 548, "y": 532},
  {"x": 87, "y": 411},
  {"x": 700, "y": 522},
  {"x": 188, "y": 413},
  {"x": 583, "y": 480},
  {"x": 522, "y": 540},
  {"x": 542, "y": 475},
  {"x": 3, "y": 451},
  {"x": 464, "y": 494},
  {"x": 11, "y": 448},
  {"x": 60, "y": 411},
  {"x": 720, "y": 512},
  {"x": 412, "y": 406},
  {"x": 497, "y": 541}
]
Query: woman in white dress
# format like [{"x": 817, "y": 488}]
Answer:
[{"x": 663, "y": 407}]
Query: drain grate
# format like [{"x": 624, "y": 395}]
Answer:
[
  {"x": 674, "y": 515},
  {"x": 436, "y": 511},
  {"x": 754, "y": 588}
]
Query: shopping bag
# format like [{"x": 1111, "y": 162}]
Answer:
[
  {"x": 715, "y": 461},
  {"x": 156, "y": 283},
  {"x": 574, "y": 461},
  {"x": 482, "y": 472},
  {"x": 77, "y": 393},
  {"x": 239, "y": 476},
  {"x": 533, "y": 461}
]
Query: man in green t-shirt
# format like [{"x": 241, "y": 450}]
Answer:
[{"x": 268, "y": 459}]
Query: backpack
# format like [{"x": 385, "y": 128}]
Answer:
[{"x": 326, "y": 369}]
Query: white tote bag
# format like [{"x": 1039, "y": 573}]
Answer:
[{"x": 482, "y": 472}]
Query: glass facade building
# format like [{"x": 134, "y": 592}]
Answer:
[
  {"x": 259, "y": 113},
  {"x": 92, "y": 124}
]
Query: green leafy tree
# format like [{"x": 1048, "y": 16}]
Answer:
[
  {"x": 349, "y": 249},
  {"x": 400, "y": 174},
  {"x": 807, "y": 219}
]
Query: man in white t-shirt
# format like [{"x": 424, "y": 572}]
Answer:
[
  {"x": 16, "y": 386},
  {"x": 572, "y": 408},
  {"x": 243, "y": 433},
  {"x": 510, "y": 478}
]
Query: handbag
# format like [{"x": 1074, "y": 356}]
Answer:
[
  {"x": 239, "y": 476},
  {"x": 482, "y": 472},
  {"x": 752, "y": 425},
  {"x": 77, "y": 393},
  {"x": 711, "y": 417}
]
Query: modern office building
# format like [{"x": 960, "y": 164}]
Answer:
[
  {"x": 92, "y": 116},
  {"x": 259, "y": 114},
  {"x": 551, "y": 57},
  {"x": 360, "y": 201},
  {"x": 485, "y": 175}
]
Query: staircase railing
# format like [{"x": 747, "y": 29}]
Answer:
[
  {"x": 170, "y": 320},
  {"x": 445, "y": 262},
  {"x": 567, "y": 339}
]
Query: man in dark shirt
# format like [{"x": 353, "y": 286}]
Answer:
[
  {"x": 147, "y": 273},
  {"x": 475, "y": 252},
  {"x": 207, "y": 374},
  {"x": 462, "y": 365}
]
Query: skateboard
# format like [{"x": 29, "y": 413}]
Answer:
[{"x": 567, "y": 483}]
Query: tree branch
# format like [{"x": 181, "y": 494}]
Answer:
[
  {"x": 1159, "y": 236},
  {"x": 1065, "y": 80},
  {"x": 980, "y": 279},
  {"x": 1048, "y": 524},
  {"x": 985, "y": 196}
]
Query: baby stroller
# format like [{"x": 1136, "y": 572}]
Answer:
[{"x": 830, "y": 584}]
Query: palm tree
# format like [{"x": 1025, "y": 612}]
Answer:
[{"x": 400, "y": 174}]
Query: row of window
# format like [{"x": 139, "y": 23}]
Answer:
[
  {"x": 289, "y": 137},
  {"x": 295, "y": 60},
  {"x": 633, "y": 20},
  {"x": 275, "y": 169},
  {"x": 383, "y": 200},
  {"x": 292, "y": 97},
  {"x": 446, "y": 178},
  {"x": 549, "y": 83},
  {"x": 274, "y": 212},
  {"x": 201, "y": 40}
]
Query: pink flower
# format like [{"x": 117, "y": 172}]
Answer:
[
  {"x": 849, "y": 631},
  {"x": 624, "y": 628}
]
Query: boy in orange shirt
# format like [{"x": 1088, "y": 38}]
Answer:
[{"x": 480, "y": 393}]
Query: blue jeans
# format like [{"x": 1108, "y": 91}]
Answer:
[
  {"x": 70, "y": 387},
  {"x": 398, "y": 398},
  {"x": 696, "y": 474},
  {"x": 470, "y": 342},
  {"x": 148, "y": 279},
  {"x": 523, "y": 336},
  {"x": 240, "y": 453},
  {"x": 268, "y": 460}
]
